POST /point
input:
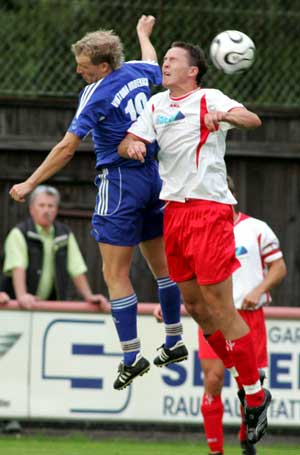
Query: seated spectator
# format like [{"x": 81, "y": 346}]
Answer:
[{"x": 41, "y": 254}]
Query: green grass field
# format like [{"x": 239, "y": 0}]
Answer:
[{"x": 79, "y": 445}]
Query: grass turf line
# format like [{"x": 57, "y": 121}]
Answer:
[{"x": 80, "y": 445}]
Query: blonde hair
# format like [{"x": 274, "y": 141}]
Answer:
[{"x": 101, "y": 46}]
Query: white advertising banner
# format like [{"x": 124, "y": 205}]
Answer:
[
  {"x": 15, "y": 333},
  {"x": 62, "y": 366}
]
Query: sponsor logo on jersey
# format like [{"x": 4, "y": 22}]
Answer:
[
  {"x": 162, "y": 119},
  {"x": 240, "y": 250}
]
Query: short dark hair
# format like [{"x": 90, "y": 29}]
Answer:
[{"x": 196, "y": 57}]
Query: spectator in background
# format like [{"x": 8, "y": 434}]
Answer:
[
  {"x": 262, "y": 268},
  {"x": 42, "y": 253}
]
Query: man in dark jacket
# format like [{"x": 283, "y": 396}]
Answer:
[{"x": 41, "y": 254}]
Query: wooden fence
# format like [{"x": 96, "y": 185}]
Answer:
[{"x": 264, "y": 163}]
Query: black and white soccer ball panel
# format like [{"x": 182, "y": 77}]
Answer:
[{"x": 232, "y": 51}]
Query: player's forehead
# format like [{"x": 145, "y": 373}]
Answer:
[
  {"x": 177, "y": 53},
  {"x": 83, "y": 59}
]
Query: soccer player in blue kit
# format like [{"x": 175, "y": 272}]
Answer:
[{"x": 128, "y": 211}]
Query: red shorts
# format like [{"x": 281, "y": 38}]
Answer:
[
  {"x": 256, "y": 322},
  {"x": 199, "y": 241}
]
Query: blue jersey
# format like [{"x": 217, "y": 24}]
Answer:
[{"x": 108, "y": 107}]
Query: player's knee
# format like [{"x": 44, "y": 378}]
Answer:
[
  {"x": 214, "y": 383},
  {"x": 211, "y": 294},
  {"x": 159, "y": 269},
  {"x": 190, "y": 307},
  {"x": 115, "y": 275},
  {"x": 197, "y": 311},
  {"x": 223, "y": 317},
  {"x": 158, "y": 265}
]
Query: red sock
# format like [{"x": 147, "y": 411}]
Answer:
[
  {"x": 212, "y": 410},
  {"x": 244, "y": 360},
  {"x": 218, "y": 343}
]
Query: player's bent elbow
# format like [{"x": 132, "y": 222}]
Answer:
[
  {"x": 65, "y": 150},
  {"x": 283, "y": 270},
  {"x": 257, "y": 122},
  {"x": 253, "y": 121}
]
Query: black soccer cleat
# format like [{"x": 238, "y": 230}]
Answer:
[
  {"x": 241, "y": 393},
  {"x": 175, "y": 354},
  {"x": 256, "y": 419},
  {"x": 128, "y": 373},
  {"x": 247, "y": 448}
]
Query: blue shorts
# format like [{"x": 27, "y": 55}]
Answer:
[{"x": 128, "y": 210}]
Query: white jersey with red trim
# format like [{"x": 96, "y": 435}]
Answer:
[
  {"x": 191, "y": 159},
  {"x": 256, "y": 247}
]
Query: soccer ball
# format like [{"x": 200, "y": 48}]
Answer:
[{"x": 232, "y": 51}]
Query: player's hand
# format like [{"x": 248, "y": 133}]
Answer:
[
  {"x": 145, "y": 25},
  {"x": 26, "y": 301},
  {"x": 212, "y": 120},
  {"x": 99, "y": 299},
  {"x": 157, "y": 313},
  {"x": 19, "y": 191},
  {"x": 251, "y": 300},
  {"x": 4, "y": 298},
  {"x": 137, "y": 151}
]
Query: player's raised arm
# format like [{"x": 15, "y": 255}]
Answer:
[
  {"x": 59, "y": 156},
  {"x": 144, "y": 30}
]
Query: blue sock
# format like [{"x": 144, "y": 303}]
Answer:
[
  {"x": 169, "y": 298},
  {"x": 124, "y": 312}
]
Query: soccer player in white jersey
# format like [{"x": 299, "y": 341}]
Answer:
[
  {"x": 262, "y": 268},
  {"x": 128, "y": 211},
  {"x": 190, "y": 125}
]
